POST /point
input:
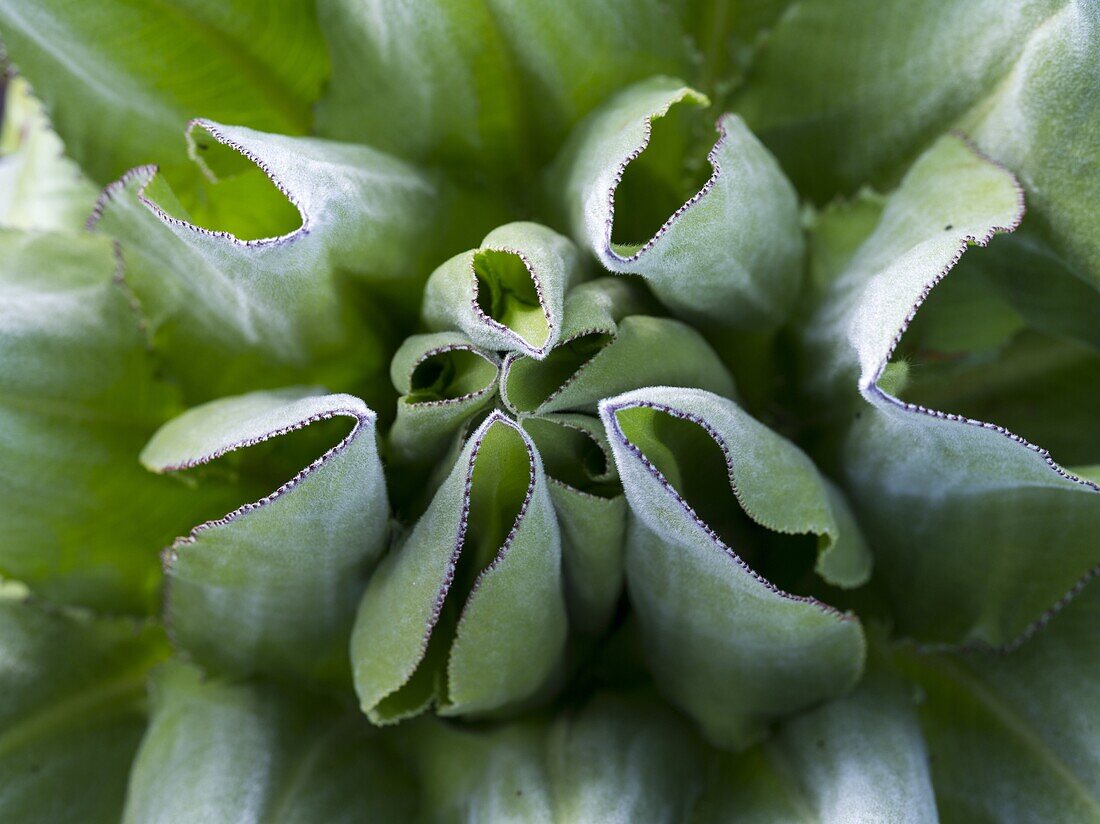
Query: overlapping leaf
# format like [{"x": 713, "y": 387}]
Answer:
[
  {"x": 1013, "y": 737},
  {"x": 468, "y": 613},
  {"x": 725, "y": 643},
  {"x": 962, "y": 513},
  {"x": 738, "y": 235},
  {"x": 272, "y": 586},
  {"x": 270, "y": 311}
]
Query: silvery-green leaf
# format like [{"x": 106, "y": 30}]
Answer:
[
  {"x": 859, "y": 759},
  {"x": 845, "y": 92},
  {"x": 1012, "y": 737},
  {"x": 491, "y": 85},
  {"x": 738, "y": 235},
  {"x": 1041, "y": 122},
  {"x": 120, "y": 78},
  {"x": 602, "y": 353},
  {"x": 268, "y": 311},
  {"x": 219, "y": 751},
  {"x": 708, "y": 487},
  {"x": 272, "y": 586},
  {"x": 444, "y": 380},
  {"x": 80, "y": 521},
  {"x": 957, "y": 509},
  {"x": 848, "y": 92},
  {"x": 72, "y": 707},
  {"x": 468, "y": 613},
  {"x": 509, "y": 293},
  {"x": 618, "y": 758},
  {"x": 591, "y": 511},
  {"x": 40, "y": 188}
]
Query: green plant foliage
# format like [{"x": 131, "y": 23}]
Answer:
[{"x": 579, "y": 411}]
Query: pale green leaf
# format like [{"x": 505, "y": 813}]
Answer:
[
  {"x": 444, "y": 381},
  {"x": 468, "y": 612},
  {"x": 39, "y": 187},
  {"x": 849, "y": 92},
  {"x": 738, "y": 234},
  {"x": 272, "y": 586},
  {"x": 958, "y": 510},
  {"x": 72, "y": 710},
  {"x": 492, "y": 85},
  {"x": 270, "y": 311},
  {"x": 82, "y": 522},
  {"x": 248, "y": 752},
  {"x": 509, "y": 293},
  {"x": 725, "y": 643},
  {"x": 121, "y": 78}
]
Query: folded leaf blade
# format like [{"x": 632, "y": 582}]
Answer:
[{"x": 272, "y": 586}]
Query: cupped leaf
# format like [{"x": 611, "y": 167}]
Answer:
[
  {"x": 738, "y": 235},
  {"x": 591, "y": 512},
  {"x": 122, "y": 77},
  {"x": 72, "y": 710},
  {"x": 1012, "y": 737},
  {"x": 40, "y": 188},
  {"x": 726, "y": 644},
  {"x": 508, "y": 294},
  {"x": 444, "y": 381},
  {"x": 468, "y": 613},
  {"x": 272, "y": 586},
  {"x": 251, "y": 752},
  {"x": 487, "y": 87},
  {"x": 859, "y": 758},
  {"x": 618, "y": 758},
  {"x": 959, "y": 511},
  {"x": 80, "y": 522},
  {"x": 603, "y": 353},
  {"x": 270, "y": 311}
]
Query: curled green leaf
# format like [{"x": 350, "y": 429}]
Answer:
[
  {"x": 591, "y": 511},
  {"x": 708, "y": 485},
  {"x": 444, "y": 381},
  {"x": 508, "y": 294},
  {"x": 269, "y": 310},
  {"x": 272, "y": 586},
  {"x": 738, "y": 234},
  {"x": 468, "y": 613},
  {"x": 955, "y": 507}
]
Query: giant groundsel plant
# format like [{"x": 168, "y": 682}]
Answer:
[{"x": 503, "y": 410}]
